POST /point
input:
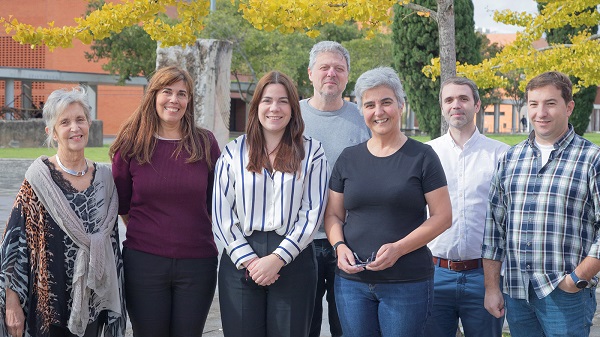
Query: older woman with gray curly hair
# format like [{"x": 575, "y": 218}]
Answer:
[
  {"x": 61, "y": 269},
  {"x": 377, "y": 220}
]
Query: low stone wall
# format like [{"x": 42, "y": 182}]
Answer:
[{"x": 30, "y": 133}]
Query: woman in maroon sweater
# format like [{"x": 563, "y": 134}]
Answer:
[{"x": 163, "y": 166}]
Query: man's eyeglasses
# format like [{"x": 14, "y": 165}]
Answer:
[{"x": 361, "y": 263}]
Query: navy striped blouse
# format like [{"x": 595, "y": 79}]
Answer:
[{"x": 291, "y": 204}]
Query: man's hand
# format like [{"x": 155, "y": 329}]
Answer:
[
  {"x": 15, "y": 318},
  {"x": 568, "y": 285},
  {"x": 494, "y": 302}
]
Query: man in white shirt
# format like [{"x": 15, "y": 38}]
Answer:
[{"x": 469, "y": 160}]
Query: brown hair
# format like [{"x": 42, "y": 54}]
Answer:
[
  {"x": 291, "y": 148},
  {"x": 136, "y": 137},
  {"x": 557, "y": 79}
]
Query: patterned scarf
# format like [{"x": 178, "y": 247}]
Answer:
[{"x": 95, "y": 267}]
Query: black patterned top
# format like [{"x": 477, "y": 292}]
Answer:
[{"x": 37, "y": 258}]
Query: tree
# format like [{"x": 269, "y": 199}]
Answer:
[
  {"x": 128, "y": 53},
  {"x": 578, "y": 58},
  {"x": 416, "y": 43},
  {"x": 269, "y": 15},
  {"x": 584, "y": 98},
  {"x": 367, "y": 54},
  {"x": 487, "y": 96}
]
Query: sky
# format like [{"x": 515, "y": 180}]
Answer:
[{"x": 484, "y": 13}]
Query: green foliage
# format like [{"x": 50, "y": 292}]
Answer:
[
  {"x": 584, "y": 104},
  {"x": 415, "y": 41},
  {"x": 256, "y": 52},
  {"x": 128, "y": 53},
  {"x": 584, "y": 98},
  {"x": 340, "y": 33},
  {"x": 366, "y": 55}
]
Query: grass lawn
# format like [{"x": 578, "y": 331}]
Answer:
[
  {"x": 100, "y": 154},
  {"x": 97, "y": 154}
]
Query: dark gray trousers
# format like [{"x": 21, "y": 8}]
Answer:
[{"x": 283, "y": 309}]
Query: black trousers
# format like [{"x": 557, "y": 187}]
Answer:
[
  {"x": 283, "y": 309},
  {"x": 326, "y": 264},
  {"x": 168, "y": 297}
]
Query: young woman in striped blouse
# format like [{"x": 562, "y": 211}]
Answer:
[{"x": 270, "y": 192}]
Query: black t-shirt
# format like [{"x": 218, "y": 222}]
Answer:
[{"x": 385, "y": 201}]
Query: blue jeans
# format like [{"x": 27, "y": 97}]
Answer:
[
  {"x": 558, "y": 314},
  {"x": 383, "y": 309},
  {"x": 460, "y": 294},
  {"x": 326, "y": 264}
]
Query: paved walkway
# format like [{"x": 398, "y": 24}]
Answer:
[{"x": 12, "y": 172}]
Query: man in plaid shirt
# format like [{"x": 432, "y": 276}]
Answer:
[{"x": 543, "y": 219}]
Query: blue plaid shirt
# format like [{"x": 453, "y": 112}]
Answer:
[{"x": 543, "y": 218}]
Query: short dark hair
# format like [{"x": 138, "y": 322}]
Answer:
[
  {"x": 559, "y": 80},
  {"x": 461, "y": 81}
]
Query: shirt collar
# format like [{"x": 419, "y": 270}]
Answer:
[
  {"x": 560, "y": 144},
  {"x": 472, "y": 140}
]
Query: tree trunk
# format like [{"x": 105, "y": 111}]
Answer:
[
  {"x": 209, "y": 64},
  {"x": 447, "y": 41}
]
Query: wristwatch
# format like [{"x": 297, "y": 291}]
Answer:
[
  {"x": 579, "y": 283},
  {"x": 336, "y": 245}
]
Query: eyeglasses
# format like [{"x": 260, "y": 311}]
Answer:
[{"x": 361, "y": 263}]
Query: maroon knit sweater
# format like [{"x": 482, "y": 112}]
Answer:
[{"x": 168, "y": 202}]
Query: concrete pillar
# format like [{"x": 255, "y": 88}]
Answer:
[
  {"x": 9, "y": 97},
  {"x": 479, "y": 119},
  {"x": 209, "y": 64},
  {"x": 410, "y": 120},
  {"x": 92, "y": 92},
  {"x": 496, "y": 118},
  {"x": 516, "y": 119},
  {"x": 26, "y": 97},
  {"x": 9, "y": 93}
]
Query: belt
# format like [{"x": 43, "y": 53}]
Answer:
[{"x": 457, "y": 265}]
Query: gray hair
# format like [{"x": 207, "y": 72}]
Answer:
[
  {"x": 328, "y": 47},
  {"x": 382, "y": 76},
  {"x": 58, "y": 101},
  {"x": 461, "y": 81}
]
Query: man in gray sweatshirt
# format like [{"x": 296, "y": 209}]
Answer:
[{"x": 337, "y": 124}]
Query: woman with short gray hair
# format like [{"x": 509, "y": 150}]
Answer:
[
  {"x": 377, "y": 222},
  {"x": 61, "y": 270}
]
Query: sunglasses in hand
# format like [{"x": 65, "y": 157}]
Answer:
[{"x": 361, "y": 263}]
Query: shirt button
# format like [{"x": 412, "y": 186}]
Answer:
[
  {"x": 528, "y": 267},
  {"x": 528, "y": 244}
]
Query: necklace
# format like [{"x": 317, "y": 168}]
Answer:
[
  {"x": 72, "y": 172},
  {"x": 269, "y": 153}
]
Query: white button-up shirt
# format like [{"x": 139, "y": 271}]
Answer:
[
  {"x": 469, "y": 173},
  {"x": 291, "y": 204}
]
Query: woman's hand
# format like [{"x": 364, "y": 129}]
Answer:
[
  {"x": 15, "y": 318},
  {"x": 386, "y": 257},
  {"x": 265, "y": 271},
  {"x": 346, "y": 261}
]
